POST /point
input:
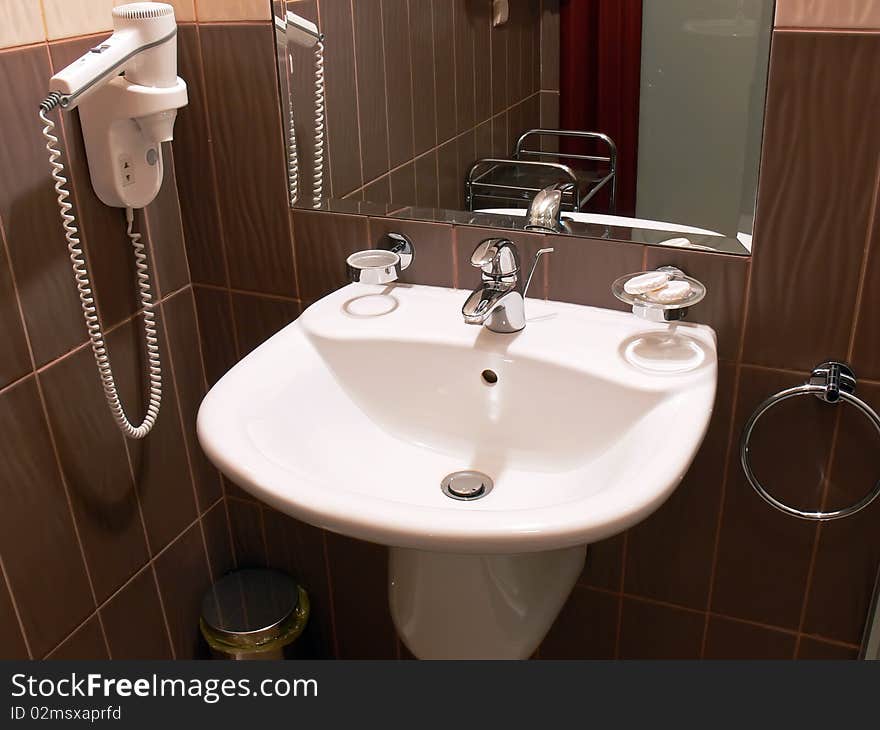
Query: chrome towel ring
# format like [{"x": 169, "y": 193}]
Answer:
[{"x": 832, "y": 382}]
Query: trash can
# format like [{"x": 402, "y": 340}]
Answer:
[{"x": 253, "y": 614}]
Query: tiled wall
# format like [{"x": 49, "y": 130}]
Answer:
[
  {"x": 715, "y": 572},
  {"x": 106, "y": 545},
  {"x": 416, "y": 91}
]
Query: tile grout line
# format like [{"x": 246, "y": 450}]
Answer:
[
  {"x": 715, "y": 614},
  {"x": 620, "y": 594},
  {"x": 152, "y": 567},
  {"x": 85, "y": 343},
  {"x": 726, "y": 464},
  {"x": 125, "y": 584},
  {"x": 329, "y": 575},
  {"x": 15, "y": 610},
  {"x": 863, "y": 272},
  {"x": 357, "y": 95},
  {"x": 212, "y": 163},
  {"x": 455, "y": 138}
]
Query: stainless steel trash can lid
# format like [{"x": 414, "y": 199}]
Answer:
[{"x": 250, "y": 606}]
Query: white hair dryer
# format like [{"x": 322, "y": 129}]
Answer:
[{"x": 128, "y": 93}]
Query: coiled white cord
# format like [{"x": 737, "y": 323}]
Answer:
[
  {"x": 318, "y": 187},
  {"x": 292, "y": 154},
  {"x": 84, "y": 286}
]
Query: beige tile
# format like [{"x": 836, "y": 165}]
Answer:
[
  {"x": 862, "y": 14},
  {"x": 22, "y": 23},
  {"x": 218, "y": 10},
  {"x": 184, "y": 10},
  {"x": 66, "y": 18}
]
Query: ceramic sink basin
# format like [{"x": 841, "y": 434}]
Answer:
[{"x": 350, "y": 417}]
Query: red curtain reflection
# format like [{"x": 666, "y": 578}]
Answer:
[{"x": 600, "y": 69}]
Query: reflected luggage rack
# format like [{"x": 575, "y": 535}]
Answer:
[{"x": 502, "y": 182}]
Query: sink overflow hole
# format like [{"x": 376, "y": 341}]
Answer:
[
  {"x": 466, "y": 485},
  {"x": 490, "y": 377}
]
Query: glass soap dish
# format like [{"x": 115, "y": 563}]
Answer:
[{"x": 645, "y": 307}]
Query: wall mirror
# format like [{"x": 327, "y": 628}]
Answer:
[{"x": 646, "y": 114}]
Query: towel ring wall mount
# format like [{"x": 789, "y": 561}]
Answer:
[{"x": 832, "y": 382}]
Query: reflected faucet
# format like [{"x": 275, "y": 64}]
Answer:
[
  {"x": 545, "y": 210},
  {"x": 499, "y": 302}
]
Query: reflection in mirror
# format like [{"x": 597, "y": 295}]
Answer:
[{"x": 643, "y": 117}]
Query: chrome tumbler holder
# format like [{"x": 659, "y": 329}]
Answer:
[{"x": 381, "y": 265}]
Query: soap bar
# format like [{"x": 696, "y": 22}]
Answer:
[
  {"x": 674, "y": 291},
  {"x": 644, "y": 283}
]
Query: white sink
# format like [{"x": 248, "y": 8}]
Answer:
[{"x": 350, "y": 417}]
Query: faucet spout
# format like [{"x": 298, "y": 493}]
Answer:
[{"x": 498, "y": 306}]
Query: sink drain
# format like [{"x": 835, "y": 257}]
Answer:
[{"x": 466, "y": 485}]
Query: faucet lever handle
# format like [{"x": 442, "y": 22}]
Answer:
[
  {"x": 541, "y": 252},
  {"x": 496, "y": 257}
]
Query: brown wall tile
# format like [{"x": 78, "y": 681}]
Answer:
[
  {"x": 815, "y": 649},
  {"x": 184, "y": 351},
  {"x": 217, "y": 332},
  {"x": 133, "y": 621},
  {"x": 763, "y": 555},
  {"x": 737, "y": 640},
  {"x": 817, "y": 180},
  {"x": 31, "y": 485},
  {"x": 866, "y": 348},
  {"x": 104, "y": 500},
  {"x": 196, "y": 184},
  {"x": 371, "y": 92},
  {"x": 586, "y": 628},
  {"x": 423, "y": 85},
  {"x": 604, "y": 564},
  {"x": 848, "y": 553},
  {"x": 342, "y": 124},
  {"x": 29, "y": 210},
  {"x": 324, "y": 242},
  {"x": 15, "y": 360},
  {"x": 159, "y": 463},
  {"x": 86, "y": 643},
  {"x": 550, "y": 45},
  {"x": 669, "y": 555},
  {"x": 359, "y": 574},
  {"x": 215, "y": 525},
  {"x": 652, "y": 631},
  {"x": 248, "y": 541},
  {"x": 298, "y": 549},
  {"x": 463, "y": 49},
  {"x": 258, "y": 318},
  {"x": 11, "y": 639},
  {"x": 183, "y": 576},
  {"x": 432, "y": 262},
  {"x": 444, "y": 69},
  {"x": 251, "y": 178},
  {"x": 398, "y": 81},
  {"x": 582, "y": 271}
]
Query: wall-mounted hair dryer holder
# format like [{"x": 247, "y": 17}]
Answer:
[{"x": 124, "y": 125}]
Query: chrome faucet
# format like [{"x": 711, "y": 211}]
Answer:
[
  {"x": 545, "y": 210},
  {"x": 499, "y": 302}
]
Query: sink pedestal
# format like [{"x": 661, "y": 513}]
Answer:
[{"x": 451, "y": 606}]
